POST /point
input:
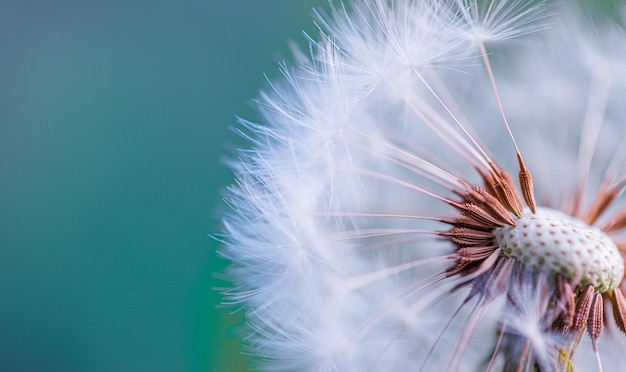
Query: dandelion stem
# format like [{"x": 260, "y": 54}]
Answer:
[
  {"x": 525, "y": 177},
  {"x": 485, "y": 57}
]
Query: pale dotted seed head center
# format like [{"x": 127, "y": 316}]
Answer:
[{"x": 556, "y": 243}]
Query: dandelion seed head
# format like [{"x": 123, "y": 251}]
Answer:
[{"x": 408, "y": 204}]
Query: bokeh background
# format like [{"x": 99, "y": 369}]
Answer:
[{"x": 114, "y": 116}]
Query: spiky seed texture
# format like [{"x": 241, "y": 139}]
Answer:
[{"x": 387, "y": 131}]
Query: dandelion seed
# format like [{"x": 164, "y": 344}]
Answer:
[{"x": 437, "y": 186}]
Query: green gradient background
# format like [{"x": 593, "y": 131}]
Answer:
[{"x": 113, "y": 119}]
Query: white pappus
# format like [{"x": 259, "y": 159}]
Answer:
[{"x": 436, "y": 185}]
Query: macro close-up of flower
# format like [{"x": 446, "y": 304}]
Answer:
[{"x": 436, "y": 185}]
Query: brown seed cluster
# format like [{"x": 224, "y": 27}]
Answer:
[
  {"x": 570, "y": 307},
  {"x": 481, "y": 211}
]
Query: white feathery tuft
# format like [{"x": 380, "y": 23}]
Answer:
[{"x": 335, "y": 230}]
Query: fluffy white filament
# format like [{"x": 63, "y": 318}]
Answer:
[{"x": 332, "y": 233}]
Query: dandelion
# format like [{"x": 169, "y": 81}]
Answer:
[{"x": 437, "y": 185}]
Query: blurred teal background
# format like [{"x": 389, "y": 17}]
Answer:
[{"x": 113, "y": 119}]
